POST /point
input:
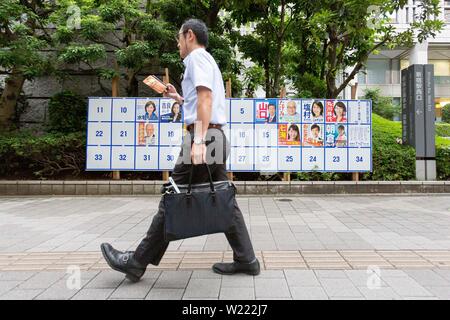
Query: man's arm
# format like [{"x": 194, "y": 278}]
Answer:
[{"x": 204, "y": 110}]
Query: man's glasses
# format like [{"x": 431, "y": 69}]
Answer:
[{"x": 177, "y": 37}]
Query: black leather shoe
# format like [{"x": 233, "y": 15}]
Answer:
[
  {"x": 123, "y": 262},
  {"x": 237, "y": 267}
]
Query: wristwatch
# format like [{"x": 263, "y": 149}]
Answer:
[{"x": 198, "y": 140}]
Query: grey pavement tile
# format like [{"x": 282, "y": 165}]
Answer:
[
  {"x": 301, "y": 278},
  {"x": 173, "y": 279},
  {"x": 308, "y": 293},
  {"x": 442, "y": 293},
  {"x": 380, "y": 293},
  {"x": 428, "y": 278},
  {"x": 205, "y": 274},
  {"x": 41, "y": 280},
  {"x": 242, "y": 293},
  {"x": 165, "y": 294},
  {"x": 57, "y": 293},
  {"x": 237, "y": 281},
  {"x": 203, "y": 288},
  {"x": 16, "y": 275},
  {"x": 132, "y": 290},
  {"x": 333, "y": 274},
  {"x": 271, "y": 274},
  {"x": 406, "y": 287},
  {"x": 271, "y": 288},
  {"x": 21, "y": 294},
  {"x": 106, "y": 279},
  {"x": 6, "y": 286},
  {"x": 92, "y": 294},
  {"x": 339, "y": 287}
]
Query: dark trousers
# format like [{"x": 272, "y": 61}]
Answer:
[{"x": 153, "y": 246}]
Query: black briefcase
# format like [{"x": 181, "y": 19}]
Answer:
[{"x": 198, "y": 209}]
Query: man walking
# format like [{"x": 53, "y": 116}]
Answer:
[{"x": 204, "y": 114}]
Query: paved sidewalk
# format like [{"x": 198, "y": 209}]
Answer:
[{"x": 311, "y": 247}]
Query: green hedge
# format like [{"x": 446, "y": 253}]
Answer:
[
  {"x": 56, "y": 154},
  {"x": 52, "y": 154},
  {"x": 443, "y": 129},
  {"x": 391, "y": 160}
]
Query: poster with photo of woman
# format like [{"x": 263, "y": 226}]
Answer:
[
  {"x": 147, "y": 110},
  {"x": 336, "y": 111},
  {"x": 171, "y": 111},
  {"x": 335, "y": 135},
  {"x": 289, "y": 134}
]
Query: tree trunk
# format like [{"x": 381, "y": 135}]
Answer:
[
  {"x": 280, "y": 40},
  {"x": 267, "y": 76},
  {"x": 132, "y": 84},
  {"x": 10, "y": 95}
]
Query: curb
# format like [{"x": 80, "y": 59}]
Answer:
[{"x": 152, "y": 187}]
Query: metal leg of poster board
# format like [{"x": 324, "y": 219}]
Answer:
[
  {"x": 165, "y": 174},
  {"x": 228, "y": 95},
  {"x": 286, "y": 175},
  {"x": 115, "y": 93},
  {"x": 355, "y": 175}
]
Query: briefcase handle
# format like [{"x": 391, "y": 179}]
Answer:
[{"x": 211, "y": 184}]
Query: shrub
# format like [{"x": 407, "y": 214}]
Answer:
[
  {"x": 446, "y": 113},
  {"x": 52, "y": 154},
  {"x": 382, "y": 106},
  {"x": 67, "y": 112},
  {"x": 443, "y": 129}
]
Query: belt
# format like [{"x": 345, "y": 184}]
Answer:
[{"x": 190, "y": 127}]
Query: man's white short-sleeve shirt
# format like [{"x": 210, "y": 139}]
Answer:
[{"x": 202, "y": 70}]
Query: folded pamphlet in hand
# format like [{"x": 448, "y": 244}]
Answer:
[{"x": 155, "y": 84}]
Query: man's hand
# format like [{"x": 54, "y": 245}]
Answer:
[
  {"x": 171, "y": 92},
  {"x": 198, "y": 153}
]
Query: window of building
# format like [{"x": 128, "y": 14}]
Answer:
[
  {"x": 378, "y": 71},
  {"x": 447, "y": 15}
]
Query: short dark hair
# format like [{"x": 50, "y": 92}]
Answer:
[
  {"x": 315, "y": 126},
  {"x": 199, "y": 28},
  {"x": 341, "y": 127}
]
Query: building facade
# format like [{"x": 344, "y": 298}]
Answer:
[{"x": 383, "y": 70}]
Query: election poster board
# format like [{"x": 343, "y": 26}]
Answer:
[{"x": 269, "y": 135}]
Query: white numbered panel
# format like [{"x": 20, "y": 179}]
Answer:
[
  {"x": 263, "y": 134},
  {"x": 359, "y": 111},
  {"x": 359, "y": 159},
  {"x": 226, "y": 131},
  {"x": 266, "y": 135},
  {"x": 241, "y": 159},
  {"x": 171, "y": 134},
  {"x": 123, "y": 133},
  {"x": 227, "y": 110},
  {"x": 146, "y": 158},
  {"x": 123, "y": 109},
  {"x": 289, "y": 159},
  {"x": 99, "y": 133},
  {"x": 241, "y": 135},
  {"x": 312, "y": 159},
  {"x": 100, "y": 109},
  {"x": 336, "y": 159},
  {"x": 241, "y": 111},
  {"x": 168, "y": 157},
  {"x": 266, "y": 159},
  {"x": 98, "y": 157},
  {"x": 359, "y": 136},
  {"x": 122, "y": 158}
]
